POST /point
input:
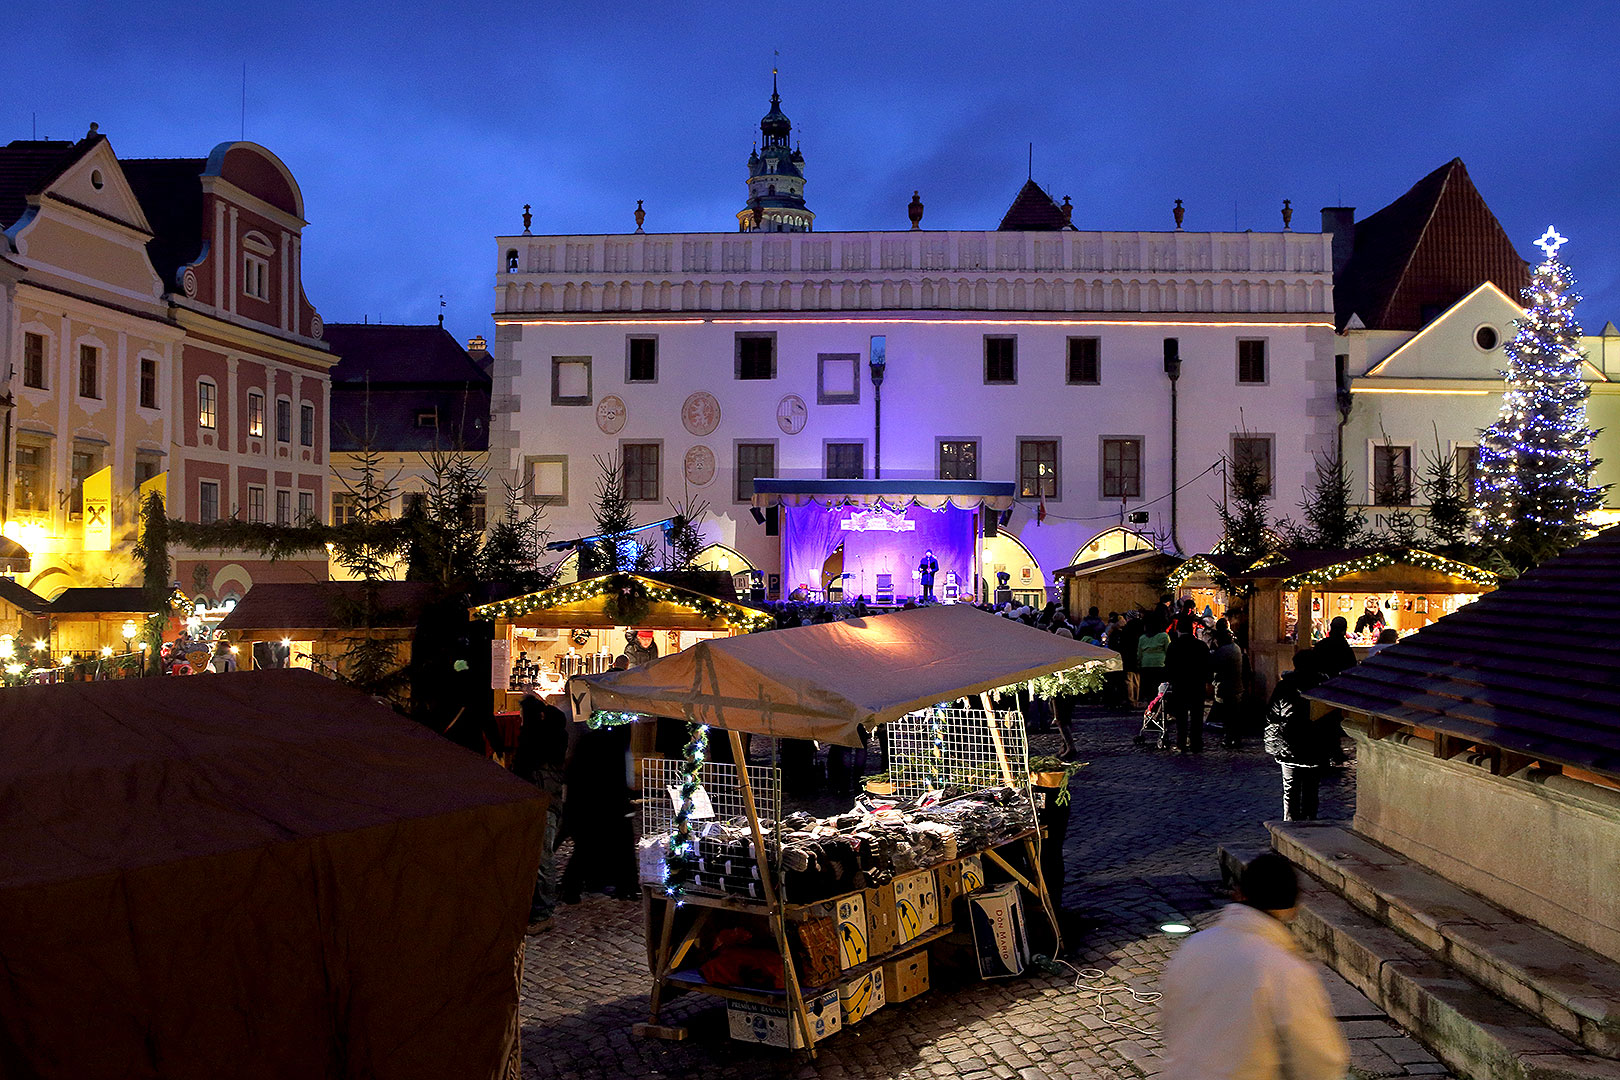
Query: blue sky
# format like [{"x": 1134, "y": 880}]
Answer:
[{"x": 418, "y": 131}]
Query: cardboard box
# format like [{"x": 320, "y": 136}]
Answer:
[
  {"x": 769, "y": 1024},
  {"x": 916, "y": 904},
  {"x": 955, "y": 880},
  {"x": 905, "y": 977},
  {"x": 997, "y": 914},
  {"x": 882, "y": 923},
  {"x": 849, "y": 911},
  {"x": 816, "y": 951},
  {"x": 861, "y": 997},
  {"x": 972, "y": 873}
]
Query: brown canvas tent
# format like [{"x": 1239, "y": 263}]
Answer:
[
  {"x": 259, "y": 874},
  {"x": 820, "y": 682}
]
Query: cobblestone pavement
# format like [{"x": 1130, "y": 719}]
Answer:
[{"x": 1140, "y": 853}]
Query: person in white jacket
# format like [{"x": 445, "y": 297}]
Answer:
[{"x": 1241, "y": 1001}]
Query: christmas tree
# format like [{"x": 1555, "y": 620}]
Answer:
[{"x": 1535, "y": 488}]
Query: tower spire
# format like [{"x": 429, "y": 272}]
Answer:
[{"x": 775, "y": 174}]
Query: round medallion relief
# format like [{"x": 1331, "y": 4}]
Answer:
[
  {"x": 791, "y": 414},
  {"x": 700, "y": 413},
  {"x": 188, "y": 282},
  {"x": 610, "y": 414},
  {"x": 699, "y": 465},
  {"x": 316, "y": 327}
]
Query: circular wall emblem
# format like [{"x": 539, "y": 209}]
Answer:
[
  {"x": 610, "y": 414},
  {"x": 700, "y": 413},
  {"x": 699, "y": 465},
  {"x": 791, "y": 414},
  {"x": 188, "y": 282}
]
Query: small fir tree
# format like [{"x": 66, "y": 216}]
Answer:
[
  {"x": 1535, "y": 473},
  {"x": 1246, "y": 513},
  {"x": 157, "y": 590},
  {"x": 511, "y": 554},
  {"x": 615, "y": 525},
  {"x": 683, "y": 537},
  {"x": 1333, "y": 520},
  {"x": 1448, "y": 501}
]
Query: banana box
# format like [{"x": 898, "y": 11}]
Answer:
[
  {"x": 770, "y": 1025},
  {"x": 882, "y": 921},
  {"x": 861, "y": 996},
  {"x": 972, "y": 873},
  {"x": 905, "y": 977},
  {"x": 849, "y": 912},
  {"x": 916, "y": 904}
]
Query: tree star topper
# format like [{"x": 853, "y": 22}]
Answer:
[{"x": 1550, "y": 242}]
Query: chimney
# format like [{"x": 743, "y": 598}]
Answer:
[
  {"x": 477, "y": 344},
  {"x": 1341, "y": 222}
]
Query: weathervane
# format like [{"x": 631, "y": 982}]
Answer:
[{"x": 1550, "y": 242}]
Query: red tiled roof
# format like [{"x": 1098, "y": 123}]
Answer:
[
  {"x": 1033, "y": 210},
  {"x": 1528, "y": 668},
  {"x": 1424, "y": 252}
]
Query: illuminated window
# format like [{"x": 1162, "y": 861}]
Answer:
[
  {"x": 207, "y": 404},
  {"x": 959, "y": 459},
  {"x": 1038, "y": 468},
  {"x": 255, "y": 414}
]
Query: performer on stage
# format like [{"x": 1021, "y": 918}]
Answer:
[{"x": 927, "y": 569}]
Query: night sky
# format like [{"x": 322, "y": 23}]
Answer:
[{"x": 417, "y": 132}]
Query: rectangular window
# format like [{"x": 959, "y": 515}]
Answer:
[
  {"x": 838, "y": 379},
  {"x": 753, "y": 460},
  {"x": 641, "y": 359},
  {"x": 33, "y": 469},
  {"x": 255, "y": 506},
  {"x": 1252, "y": 452},
  {"x": 1251, "y": 361},
  {"x": 1085, "y": 361},
  {"x": 34, "y": 361},
  {"x": 208, "y": 502},
  {"x": 207, "y": 404},
  {"x": 1392, "y": 475},
  {"x": 306, "y": 425},
  {"x": 641, "y": 472},
  {"x": 255, "y": 277},
  {"x": 82, "y": 463},
  {"x": 89, "y": 371},
  {"x": 570, "y": 380},
  {"x": 959, "y": 459},
  {"x": 1038, "y": 468},
  {"x": 146, "y": 466},
  {"x": 306, "y": 508},
  {"x": 1000, "y": 361},
  {"x": 283, "y": 420},
  {"x": 427, "y": 418},
  {"x": 846, "y": 460},
  {"x": 1467, "y": 465},
  {"x": 283, "y": 507},
  {"x": 756, "y": 356},
  {"x": 149, "y": 393},
  {"x": 342, "y": 508},
  {"x": 547, "y": 479},
  {"x": 255, "y": 414},
  {"x": 1122, "y": 468}
]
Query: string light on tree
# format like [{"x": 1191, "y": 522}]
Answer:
[{"x": 1534, "y": 488}]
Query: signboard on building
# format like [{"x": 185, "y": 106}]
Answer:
[{"x": 98, "y": 510}]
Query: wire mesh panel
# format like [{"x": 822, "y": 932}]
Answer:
[
  {"x": 940, "y": 748},
  {"x": 661, "y": 792}
]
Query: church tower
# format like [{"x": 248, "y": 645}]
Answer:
[{"x": 775, "y": 178}]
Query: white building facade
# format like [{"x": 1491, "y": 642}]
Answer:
[{"x": 1031, "y": 357}]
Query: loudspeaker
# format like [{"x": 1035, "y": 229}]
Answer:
[
  {"x": 991, "y": 521},
  {"x": 759, "y": 515},
  {"x": 1172, "y": 356},
  {"x": 1137, "y": 517},
  {"x": 773, "y": 520}
]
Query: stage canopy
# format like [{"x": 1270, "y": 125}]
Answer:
[
  {"x": 820, "y": 682},
  {"x": 894, "y": 494}
]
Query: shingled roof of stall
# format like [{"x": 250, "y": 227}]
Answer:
[{"x": 1529, "y": 668}]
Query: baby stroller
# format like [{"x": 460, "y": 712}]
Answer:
[{"x": 1154, "y": 717}]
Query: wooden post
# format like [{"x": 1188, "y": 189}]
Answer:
[
  {"x": 773, "y": 905},
  {"x": 1001, "y": 749}
]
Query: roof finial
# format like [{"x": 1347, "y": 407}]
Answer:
[
  {"x": 92, "y": 132},
  {"x": 776, "y": 58},
  {"x": 527, "y": 218},
  {"x": 441, "y": 309},
  {"x": 1031, "y": 161}
]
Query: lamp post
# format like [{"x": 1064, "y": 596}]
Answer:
[{"x": 877, "y": 362}]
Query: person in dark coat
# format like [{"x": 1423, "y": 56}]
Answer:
[
  {"x": 1302, "y": 746},
  {"x": 1226, "y": 662},
  {"x": 1187, "y": 670},
  {"x": 1123, "y": 641},
  {"x": 542, "y": 753},
  {"x": 596, "y": 813},
  {"x": 1333, "y": 653},
  {"x": 925, "y": 573}
]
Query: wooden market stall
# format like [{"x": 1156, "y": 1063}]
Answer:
[
  {"x": 1294, "y": 595},
  {"x": 838, "y": 938},
  {"x": 1125, "y": 581},
  {"x": 92, "y": 622},
  {"x": 312, "y": 624}
]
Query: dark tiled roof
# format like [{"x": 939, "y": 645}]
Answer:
[
  {"x": 27, "y": 167},
  {"x": 170, "y": 191},
  {"x": 716, "y": 583},
  {"x": 316, "y": 605},
  {"x": 110, "y": 599},
  {"x": 393, "y": 353},
  {"x": 22, "y": 597},
  {"x": 1529, "y": 668},
  {"x": 1033, "y": 210},
  {"x": 390, "y": 374},
  {"x": 1424, "y": 252}
]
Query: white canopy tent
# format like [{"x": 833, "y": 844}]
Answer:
[{"x": 822, "y": 682}]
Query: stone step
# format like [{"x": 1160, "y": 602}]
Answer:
[{"x": 1569, "y": 988}]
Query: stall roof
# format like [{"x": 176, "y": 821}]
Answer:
[
  {"x": 318, "y": 605},
  {"x": 1114, "y": 562},
  {"x": 897, "y": 494},
  {"x": 820, "y": 682},
  {"x": 1527, "y": 668},
  {"x": 1296, "y": 568},
  {"x": 666, "y": 604},
  {"x": 22, "y": 597},
  {"x": 102, "y": 600}
]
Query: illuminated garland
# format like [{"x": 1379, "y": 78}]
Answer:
[
  {"x": 599, "y": 720},
  {"x": 681, "y": 857},
  {"x": 936, "y": 749},
  {"x": 1376, "y": 560},
  {"x": 614, "y": 586},
  {"x": 1082, "y": 681},
  {"x": 1196, "y": 565}
]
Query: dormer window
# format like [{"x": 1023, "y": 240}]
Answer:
[
  {"x": 256, "y": 265},
  {"x": 427, "y": 418}
]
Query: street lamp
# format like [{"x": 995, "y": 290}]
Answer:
[
  {"x": 129, "y": 630},
  {"x": 878, "y": 362}
]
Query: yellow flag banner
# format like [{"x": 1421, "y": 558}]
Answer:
[
  {"x": 98, "y": 510},
  {"x": 159, "y": 484}
]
